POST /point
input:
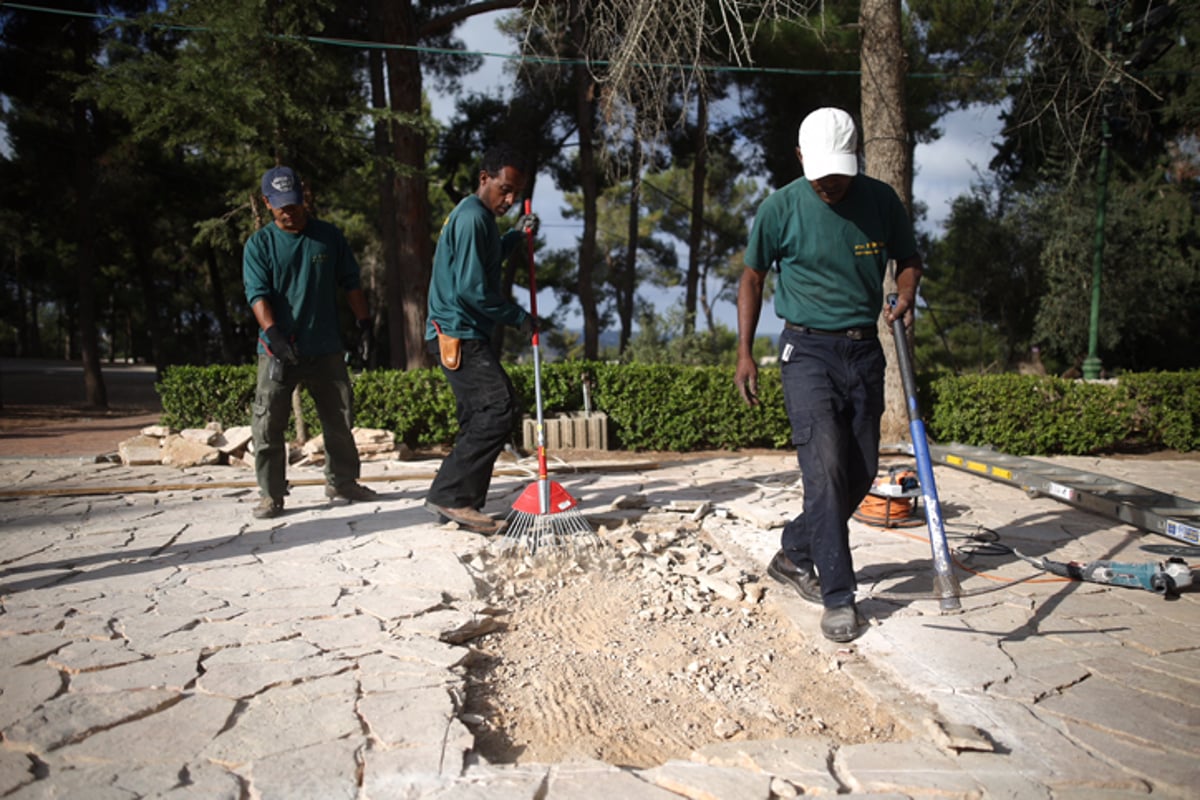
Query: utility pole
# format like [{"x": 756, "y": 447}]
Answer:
[
  {"x": 1147, "y": 44},
  {"x": 1091, "y": 364}
]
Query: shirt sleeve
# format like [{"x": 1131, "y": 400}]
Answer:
[
  {"x": 903, "y": 242},
  {"x": 256, "y": 271},
  {"x": 349, "y": 275},
  {"x": 479, "y": 287},
  {"x": 762, "y": 249},
  {"x": 509, "y": 242}
]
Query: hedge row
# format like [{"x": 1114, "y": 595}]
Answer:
[{"x": 655, "y": 407}]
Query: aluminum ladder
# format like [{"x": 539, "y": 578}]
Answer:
[{"x": 1148, "y": 509}]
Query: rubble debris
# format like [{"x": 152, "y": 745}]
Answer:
[{"x": 192, "y": 447}]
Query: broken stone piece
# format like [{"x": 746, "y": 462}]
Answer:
[
  {"x": 180, "y": 452},
  {"x": 140, "y": 451},
  {"x": 958, "y": 736}
]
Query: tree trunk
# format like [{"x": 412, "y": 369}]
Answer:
[
  {"x": 35, "y": 324},
  {"x": 113, "y": 322},
  {"x": 155, "y": 332},
  {"x": 408, "y": 284},
  {"x": 627, "y": 280},
  {"x": 85, "y": 251},
  {"x": 298, "y": 415},
  {"x": 695, "y": 235},
  {"x": 221, "y": 308},
  {"x": 705, "y": 306},
  {"x": 66, "y": 329},
  {"x": 24, "y": 328},
  {"x": 888, "y": 158},
  {"x": 585, "y": 120},
  {"x": 387, "y": 204}
]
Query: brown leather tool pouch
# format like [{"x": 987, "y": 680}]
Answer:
[{"x": 449, "y": 348}]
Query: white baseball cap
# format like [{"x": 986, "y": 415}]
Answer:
[{"x": 828, "y": 144}]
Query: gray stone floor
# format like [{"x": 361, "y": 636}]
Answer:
[{"x": 155, "y": 641}]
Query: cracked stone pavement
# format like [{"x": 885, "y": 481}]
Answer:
[{"x": 162, "y": 643}]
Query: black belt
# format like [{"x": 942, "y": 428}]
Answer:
[{"x": 857, "y": 334}]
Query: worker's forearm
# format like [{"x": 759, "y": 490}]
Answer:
[
  {"x": 263, "y": 313},
  {"x": 749, "y": 307},
  {"x": 908, "y": 277},
  {"x": 358, "y": 304}
]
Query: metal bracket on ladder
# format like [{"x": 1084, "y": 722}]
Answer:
[{"x": 1148, "y": 509}]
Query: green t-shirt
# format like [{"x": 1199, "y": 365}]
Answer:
[
  {"x": 831, "y": 258},
  {"x": 299, "y": 275},
  {"x": 464, "y": 293}
]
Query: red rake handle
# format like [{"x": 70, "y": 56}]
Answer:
[
  {"x": 543, "y": 482},
  {"x": 532, "y": 273}
]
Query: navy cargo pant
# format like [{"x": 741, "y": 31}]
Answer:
[
  {"x": 487, "y": 411},
  {"x": 833, "y": 391}
]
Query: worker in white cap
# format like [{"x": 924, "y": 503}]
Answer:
[{"x": 829, "y": 236}]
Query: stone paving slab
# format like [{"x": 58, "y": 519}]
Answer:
[
  {"x": 803, "y": 763},
  {"x": 156, "y": 641}
]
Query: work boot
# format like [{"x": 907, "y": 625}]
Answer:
[
  {"x": 804, "y": 581},
  {"x": 268, "y": 507},
  {"x": 350, "y": 493},
  {"x": 841, "y": 624},
  {"x": 469, "y": 518}
]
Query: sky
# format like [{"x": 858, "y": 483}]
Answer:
[{"x": 943, "y": 170}]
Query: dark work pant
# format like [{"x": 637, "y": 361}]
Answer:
[
  {"x": 327, "y": 381},
  {"x": 486, "y": 409},
  {"x": 833, "y": 390}
]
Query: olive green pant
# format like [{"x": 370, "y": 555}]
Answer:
[{"x": 328, "y": 382}]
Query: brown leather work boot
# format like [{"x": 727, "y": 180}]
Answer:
[{"x": 469, "y": 518}]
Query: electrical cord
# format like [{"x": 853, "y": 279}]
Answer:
[
  {"x": 980, "y": 541},
  {"x": 882, "y": 510},
  {"x": 888, "y": 512}
]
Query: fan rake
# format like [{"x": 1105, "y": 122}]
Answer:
[{"x": 545, "y": 515}]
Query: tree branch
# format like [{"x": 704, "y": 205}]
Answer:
[{"x": 445, "y": 22}]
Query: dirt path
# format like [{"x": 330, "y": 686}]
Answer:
[
  {"x": 60, "y": 431},
  {"x": 628, "y": 658},
  {"x": 44, "y": 413}
]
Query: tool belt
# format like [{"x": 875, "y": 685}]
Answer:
[
  {"x": 856, "y": 334},
  {"x": 449, "y": 349}
]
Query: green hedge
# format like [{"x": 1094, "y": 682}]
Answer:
[
  {"x": 1025, "y": 415},
  {"x": 656, "y": 407},
  {"x": 659, "y": 407},
  {"x": 194, "y": 396},
  {"x": 1167, "y": 407}
]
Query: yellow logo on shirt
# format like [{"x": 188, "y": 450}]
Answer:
[{"x": 868, "y": 248}]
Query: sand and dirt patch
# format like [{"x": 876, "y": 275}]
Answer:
[{"x": 647, "y": 648}]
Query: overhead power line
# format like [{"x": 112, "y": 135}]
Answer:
[
  {"x": 446, "y": 51},
  {"x": 359, "y": 44}
]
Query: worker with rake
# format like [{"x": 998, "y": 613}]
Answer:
[
  {"x": 466, "y": 307},
  {"x": 829, "y": 236}
]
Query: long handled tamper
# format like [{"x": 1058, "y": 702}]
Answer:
[{"x": 944, "y": 582}]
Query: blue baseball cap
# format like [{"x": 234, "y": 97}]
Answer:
[{"x": 282, "y": 188}]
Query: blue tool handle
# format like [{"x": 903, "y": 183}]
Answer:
[
  {"x": 907, "y": 373},
  {"x": 945, "y": 583}
]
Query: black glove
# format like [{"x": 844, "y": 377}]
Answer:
[
  {"x": 280, "y": 347},
  {"x": 365, "y": 346},
  {"x": 529, "y": 222}
]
